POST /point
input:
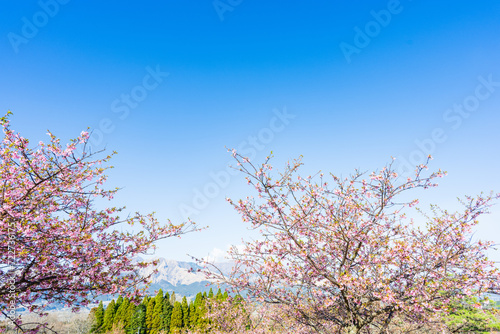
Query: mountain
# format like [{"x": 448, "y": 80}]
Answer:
[
  {"x": 183, "y": 278},
  {"x": 175, "y": 272}
]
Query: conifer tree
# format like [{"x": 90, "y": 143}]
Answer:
[
  {"x": 138, "y": 321},
  {"x": 98, "y": 319},
  {"x": 210, "y": 294},
  {"x": 201, "y": 311},
  {"x": 167, "y": 297},
  {"x": 159, "y": 296},
  {"x": 173, "y": 299},
  {"x": 167, "y": 313},
  {"x": 129, "y": 314},
  {"x": 156, "y": 322},
  {"x": 198, "y": 299},
  {"x": 218, "y": 295},
  {"x": 149, "y": 312},
  {"x": 120, "y": 316},
  {"x": 193, "y": 319},
  {"x": 185, "y": 312},
  {"x": 118, "y": 303},
  {"x": 176, "y": 322},
  {"x": 109, "y": 315}
]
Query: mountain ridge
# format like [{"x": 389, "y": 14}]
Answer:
[{"x": 182, "y": 277}]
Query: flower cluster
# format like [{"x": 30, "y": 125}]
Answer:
[
  {"x": 66, "y": 250},
  {"x": 348, "y": 257}
]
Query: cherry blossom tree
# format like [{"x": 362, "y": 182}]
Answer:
[
  {"x": 55, "y": 245},
  {"x": 347, "y": 257}
]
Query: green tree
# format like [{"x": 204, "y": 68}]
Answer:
[
  {"x": 198, "y": 299},
  {"x": 167, "y": 313},
  {"x": 173, "y": 299},
  {"x": 218, "y": 295},
  {"x": 176, "y": 322},
  {"x": 185, "y": 312},
  {"x": 98, "y": 319},
  {"x": 109, "y": 315},
  {"x": 129, "y": 314},
  {"x": 138, "y": 320},
  {"x": 469, "y": 317},
  {"x": 118, "y": 303},
  {"x": 210, "y": 294},
  {"x": 156, "y": 320},
  {"x": 149, "y": 312},
  {"x": 201, "y": 312},
  {"x": 193, "y": 319},
  {"x": 120, "y": 316}
]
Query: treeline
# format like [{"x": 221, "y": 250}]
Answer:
[{"x": 162, "y": 313}]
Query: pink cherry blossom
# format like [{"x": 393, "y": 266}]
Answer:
[
  {"x": 57, "y": 247},
  {"x": 348, "y": 258}
]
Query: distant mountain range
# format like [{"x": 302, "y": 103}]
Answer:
[
  {"x": 183, "y": 278},
  {"x": 175, "y": 272}
]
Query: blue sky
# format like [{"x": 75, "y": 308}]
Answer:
[{"x": 170, "y": 84}]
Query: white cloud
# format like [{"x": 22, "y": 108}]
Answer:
[{"x": 217, "y": 255}]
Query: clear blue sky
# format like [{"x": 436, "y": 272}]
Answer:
[{"x": 361, "y": 81}]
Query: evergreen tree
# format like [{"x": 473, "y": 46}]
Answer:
[
  {"x": 198, "y": 299},
  {"x": 218, "y": 295},
  {"x": 149, "y": 312},
  {"x": 118, "y": 303},
  {"x": 167, "y": 297},
  {"x": 98, "y": 319},
  {"x": 173, "y": 299},
  {"x": 129, "y": 314},
  {"x": 120, "y": 317},
  {"x": 193, "y": 319},
  {"x": 210, "y": 294},
  {"x": 167, "y": 313},
  {"x": 225, "y": 296},
  {"x": 185, "y": 312},
  {"x": 109, "y": 315},
  {"x": 138, "y": 320},
  {"x": 159, "y": 296},
  {"x": 201, "y": 312},
  {"x": 176, "y": 322},
  {"x": 156, "y": 321}
]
